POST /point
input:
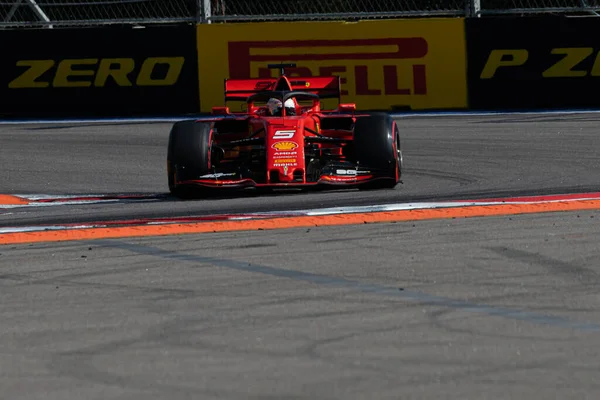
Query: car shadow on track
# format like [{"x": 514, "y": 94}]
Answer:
[{"x": 229, "y": 194}]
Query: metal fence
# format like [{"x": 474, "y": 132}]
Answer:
[
  {"x": 55, "y": 13},
  {"x": 495, "y": 7}
]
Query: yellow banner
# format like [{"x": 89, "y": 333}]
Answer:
[{"x": 418, "y": 63}]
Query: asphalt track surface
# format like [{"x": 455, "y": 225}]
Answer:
[
  {"x": 445, "y": 158},
  {"x": 496, "y": 307}
]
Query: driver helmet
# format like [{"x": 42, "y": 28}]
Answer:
[
  {"x": 290, "y": 107},
  {"x": 274, "y": 106}
]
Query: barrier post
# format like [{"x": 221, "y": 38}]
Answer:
[
  {"x": 474, "y": 8},
  {"x": 204, "y": 11}
]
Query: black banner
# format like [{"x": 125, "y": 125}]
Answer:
[
  {"x": 533, "y": 62},
  {"x": 99, "y": 72}
]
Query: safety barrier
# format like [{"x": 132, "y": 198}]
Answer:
[
  {"x": 389, "y": 64},
  {"x": 404, "y": 64},
  {"x": 97, "y": 72},
  {"x": 533, "y": 62}
]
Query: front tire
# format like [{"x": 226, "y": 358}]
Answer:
[
  {"x": 188, "y": 154},
  {"x": 377, "y": 146}
]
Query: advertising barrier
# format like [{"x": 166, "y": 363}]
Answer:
[
  {"x": 533, "y": 62},
  {"x": 508, "y": 63},
  {"x": 413, "y": 63},
  {"x": 95, "y": 72}
]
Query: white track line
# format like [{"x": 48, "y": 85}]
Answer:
[
  {"x": 420, "y": 206},
  {"x": 64, "y": 200},
  {"x": 97, "y": 199},
  {"x": 311, "y": 212}
]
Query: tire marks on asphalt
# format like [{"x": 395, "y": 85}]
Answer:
[{"x": 368, "y": 288}]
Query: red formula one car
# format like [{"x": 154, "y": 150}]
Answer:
[{"x": 284, "y": 139}]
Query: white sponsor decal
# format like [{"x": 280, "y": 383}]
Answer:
[
  {"x": 285, "y": 154},
  {"x": 346, "y": 172},
  {"x": 218, "y": 175},
  {"x": 284, "y": 134}
]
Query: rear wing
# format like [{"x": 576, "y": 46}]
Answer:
[{"x": 326, "y": 87}]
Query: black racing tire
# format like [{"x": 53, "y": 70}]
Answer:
[
  {"x": 188, "y": 155},
  {"x": 377, "y": 145}
]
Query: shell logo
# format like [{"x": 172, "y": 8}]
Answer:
[{"x": 285, "y": 146}]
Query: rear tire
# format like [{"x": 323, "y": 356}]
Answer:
[
  {"x": 377, "y": 146},
  {"x": 188, "y": 155}
]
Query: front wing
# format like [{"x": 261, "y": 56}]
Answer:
[{"x": 333, "y": 177}]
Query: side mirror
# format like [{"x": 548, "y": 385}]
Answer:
[
  {"x": 347, "y": 107},
  {"x": 220, "y": 110}
]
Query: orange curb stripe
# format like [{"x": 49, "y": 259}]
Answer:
[
  {"x": 7, "y": 199},
  {"x": 295, "y": 222}
]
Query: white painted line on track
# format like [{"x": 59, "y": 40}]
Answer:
[
  {"x": 491, "y": 113},
  {"x": 24, "y": 229},
  {"x": 95, "y": 120},
  {"x": 44, "y": 200},
  {"x": 317, "y": 212},
  {"x": 62, "y": 203},
  {"x": 420, "y": 206}
]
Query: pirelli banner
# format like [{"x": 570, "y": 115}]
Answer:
[
  {"x": 533, "y": 62},
  {"x": 95, "y": 72},
  {"x": 414, "y": 63}
]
